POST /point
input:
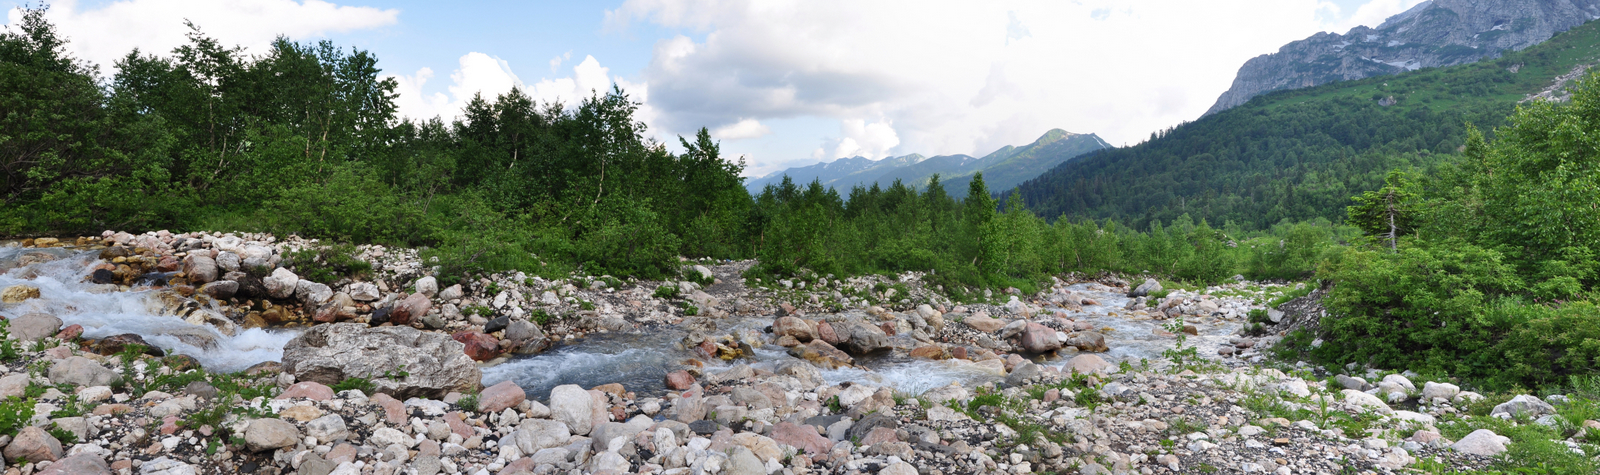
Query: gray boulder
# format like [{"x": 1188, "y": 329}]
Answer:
[
  {"x": 221, "y": 289},
  {"x": 1523, "y": 406},
  {"x": 34, "y": 326},
  {"x": 82, "y": 372},
  {"x": 860, "y": 338},
  {"x": 228, "y": 261},
  {"x": 1149, "y": 285},
  {"x": 199, "y": 269},
  {"x": 281, "y": 284},
  {"x": 268, "y": 434},
  {"x": 400, "y": 361},
  {"x": 312, "y": 293}
]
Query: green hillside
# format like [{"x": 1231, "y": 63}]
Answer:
[{"x": 1301, "y": 154}]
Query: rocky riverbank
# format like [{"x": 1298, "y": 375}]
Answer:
[{"x": 383, "y": 373}]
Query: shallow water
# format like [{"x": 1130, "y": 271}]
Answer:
[
  {"x": 65, "y": 294},
  {"x": 640, "y": 360}
]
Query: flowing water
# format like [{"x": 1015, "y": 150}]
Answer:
[
  {"x": 104, "y": 312},
  {"x": 638, "y": 360}
]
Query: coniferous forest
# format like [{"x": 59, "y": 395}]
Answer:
[{"x": 1446, "y": 247}]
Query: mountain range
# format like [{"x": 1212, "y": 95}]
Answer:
[
  {"x": 1300, "y": 154},
  {"x": 1002, "y": 170},
  {"x": 1433, "y": 33}
]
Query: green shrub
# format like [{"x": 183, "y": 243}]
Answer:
[
  {"x": 668, "y": 291},
  {"x": 15, "y": 413},
  {"x": 327, "y": 264}
]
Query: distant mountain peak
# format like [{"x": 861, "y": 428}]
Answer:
[
  {"x": 1002, "y": 169},
  {"x": 1433, "y": 33}
]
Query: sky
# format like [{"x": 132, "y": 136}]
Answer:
[{"x": 780, "y": 83}]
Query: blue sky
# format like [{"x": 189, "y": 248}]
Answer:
[{"x": 783, "y": 83}]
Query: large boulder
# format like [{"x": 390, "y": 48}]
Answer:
[
  {"x": 1149, "y": 285},
  {"x": 82, "y": 372},
  {"x": 86, "y": 463},
  {"x": 412, "y": 307},
  {"x": 860, "y": 338},
  {"x": 792, "y": 326},
  {"x": 400, "y": 361},
  {"x": 983, "y": 323},
  {"x": 571, "y": 405},
  {"x": 1522, "y": 406},
  {"x": 311, "y": 293},
  {"x": 34, "y": 445},
  {"x": 1482, "y": 442},
  {"x": 1038, "y": 338},
  {"x": 501, "y": 396},
  {"x": 221, "y": 290},
  {"x": 428, "y": 286},
  {"x": 199, "y": 269},
  {"x": 1087, "y": 341},
  {"x": 268, "y": 434},
  {"x": 33, "y": 326},
  {"x": 822, "y": 354},
  {"x": 281, "y": 284},
  {"x": 478, "y": 346}
]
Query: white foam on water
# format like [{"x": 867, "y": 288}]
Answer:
[
  {"x": 910, "y": 377},
  {"x": 635, "y": 368},
  {"x": 64, "y": 294}
]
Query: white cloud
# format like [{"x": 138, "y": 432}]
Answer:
[
  {"x": 480, "y": 73},
  {"x": 958, "y": 77},
  {"x": 744, "y": 129},
  {"x": 105, "y": 33},
  {"x": 1373, "y": 13},
  {"x": 555, "y": 63}
]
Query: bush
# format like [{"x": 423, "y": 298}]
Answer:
[{"x": 327, "y": 264}]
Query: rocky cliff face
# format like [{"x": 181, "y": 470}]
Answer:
[{"x": 1432, "y": 34}]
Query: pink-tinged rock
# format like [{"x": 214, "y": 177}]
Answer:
[
  {"x": 679, "y": 380},
  {"x": 457, "y": 426},
  {"x": 70, "y": 333},
  {"x": 887, "y": 327},
  {"x": 1038, "y": 338},
  {"x": 81, "y": 464},
  {"x": 801, "y": 437},
  {"x": 479, "y": 346},
  {"x": 1087, "y": 364},
  {"x": 411, "y": 308},
  {"x": 521, "y": 465},
  {"x": 58, "y": 353},
  {"x": 1052, "y": 395},
  {"x": 826, "y": 333},
  {"x": 169, "y": 424},
  {"x": 501, "y": 396},
  {"x": 393, "y": 409},
  {"x": 983, "y": 323},
  {"x": 342, "y": 453},
  {"x": 1082, "y": 326},
  {"x": 167, "y": 264},
  {"x": 33, "y": 444},
  {"x": 707, "y": 348},
  {"x": 792, "y": 326},
  {"x": 312, "y": 390},
  {"x": 959, "y": 352},
  {"x": 877, "y": 436}
]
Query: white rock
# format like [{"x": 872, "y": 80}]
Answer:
[
  {"x": 572, "y": 405},
  {"x": 1523, "y": 406},
  {"x": 281, "y": 284},
  {"x": 1365, "y": 400},
  {"x": 1445, "y": 391},
  {"x": 363, "y": 291},
  {"x": 384, "y": 437},
  {"x": 428, "y": 286},
  {"x": 1482, "y": 442}
]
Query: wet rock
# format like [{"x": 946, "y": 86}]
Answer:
[
  {"x": 115, "y": 344},
  {"x": 1087, "y": 341},
  {"x": 1038, "y": 338},
  {"x": 433, "y": 363},
  {"x": 268, "y": 434},
  {"x": 523, "y": 330},
  {"x": 281, "y": 284},
  {"x": 679, "y": 380},
  {"x": 497, "y": 398},
  {"x": 477, "y": 345},
  {"x": 34, "y": 326},
  {"x": 792, "y": 327},
  {"x": 70, "y": 332},
  {"x": 860, "y": 339},
  {"x": 18, "y": 293},
  {"x": 221, "y": 290},
  {"x": 82, "y": 372},
  {"x": 822, "y": 354},
  {"x": 1025, "y": 373},
  {"x": 930, "y": 352}
]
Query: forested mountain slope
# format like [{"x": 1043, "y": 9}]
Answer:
[{"x": 1301, "y": 154}]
